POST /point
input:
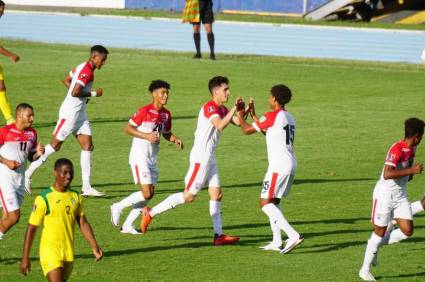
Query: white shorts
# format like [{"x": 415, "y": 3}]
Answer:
[
  {"x": 202, "y": 174},
  {"x": 66, "y": 126},
  {"x": 276, "y": 185},
  {"x": 389, "y": 204},
  {"x": 12, "y": 190},
  {"x": 144, "y": 174}
]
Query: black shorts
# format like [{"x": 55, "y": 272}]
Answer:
[{"x": 206, "y": 14}]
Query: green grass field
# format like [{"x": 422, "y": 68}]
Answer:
[{"x": 348, "y": 114}]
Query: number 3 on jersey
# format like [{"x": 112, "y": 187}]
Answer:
[{"x": 290, "y": 134}]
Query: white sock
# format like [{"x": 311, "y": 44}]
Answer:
[
  {"x": 277, "y": 234},
  {"x": 169, "y": 203},
  {"x": 133, "y": 215},
  {"x": 215, "y": 212},
  {"x": 276, "y": 216},
  {"x": 132, "y": 199},
  {"x": 416, "y": 207},
  {"x": 48, "y": 150},
  {"x": 1, "y": 235},
  {"x": 396, "y": 236},
  {"x": 85, "y": 162},
  {"x": 371, "y": 249}
]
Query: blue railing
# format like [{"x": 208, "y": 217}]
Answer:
[{"x": 273, "y": 6}]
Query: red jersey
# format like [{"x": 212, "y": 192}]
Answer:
[
  {"x": 147, "y": 120},
  {"x": 15, "y": 144},
  {"x": 399, "y": 156}
]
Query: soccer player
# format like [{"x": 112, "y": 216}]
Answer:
[
  {"x": 58, "y": 209},
  {"x": 73, "y": 118},
  {"x": 4, "y": 103},
  {"x": 18, "y": 143},
  {"x": 390, "y": 195},
  {"x": 146, "y": 126},
  {"x": 203, "y": 171},
  {"x": 207, "y": 18},
  {"x": 279, "y": 128}
]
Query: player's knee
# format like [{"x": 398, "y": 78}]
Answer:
[
  {"x": 189, "y": 198},
  {"x": 408, "y": 231},
  {"x": 148, "y": 194},
  {"x": 56, "y": 146},
  {"x": 12, "y": 219}
]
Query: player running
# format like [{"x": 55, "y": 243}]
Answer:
[
  {"x": 4, "y": 103},
  {"x": 146, "y": 126},
  {"x": 18, "y": 143},
  {"x": 73, "y": 118},
  {"x": 203, "y": 171},
  {"x": 279, "y": 128},
  {"x": 58, "y": 209},
  {"x": 390, "y": 195}
]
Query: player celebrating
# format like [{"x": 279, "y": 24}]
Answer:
[
  {"x": 73, "y": 118},
  {"x": 279, "y": 128},
  {"x": 212, "y": 120},
  {"x": 4, "y": 103},
  {"x": 18, "y": 142},
  {"x": 58, "y": 208},
  {"x": 146, "y": 126},
  {"x": 390, "y": 195}
]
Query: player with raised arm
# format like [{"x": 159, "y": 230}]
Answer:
[
  {"x": 203, "y": 171},
  {"x": 73, "y": 118},
  {"x": 18, "y": 143},
  {"x": 58, "y": 209},
  {"x": 4, "y": 103},
  {"x": 146, "y": 126},
  {"x": 279, "y": 128},
  {"x": 390, "y": 195}
]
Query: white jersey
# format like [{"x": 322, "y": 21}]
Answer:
[
  {"x": 399, "y": 156},
  {"x": 75, "y": 107},
  {"x": 147, "y": 120},
  {"x": 207, "y": 135},
  {"x": 280, "y": 133},
  {"x": 16, "y": 145}
]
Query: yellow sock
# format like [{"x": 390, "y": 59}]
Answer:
[{"x": 5, "y": 108}]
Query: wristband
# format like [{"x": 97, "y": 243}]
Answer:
[{"x": 93, "y": 93}]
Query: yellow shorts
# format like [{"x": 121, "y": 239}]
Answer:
[
  {"x": 1, "y": 73},
  {"x": 49, "y": 265}
]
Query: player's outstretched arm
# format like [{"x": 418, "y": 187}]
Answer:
[
  {"x": 221, "y": 124},
  {"x": 25, "y": 265},
  {"x": 131, "y": 130},
  {"x": 88, "y": 234},
  {"x": 245, "y": 127},
  {"x": 390, "y": 172},
  {"x": 174, "y": 139},
  {"x": 9, "y": 54}
]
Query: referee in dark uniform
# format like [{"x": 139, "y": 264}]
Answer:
[{"x": 207, "y": 18}]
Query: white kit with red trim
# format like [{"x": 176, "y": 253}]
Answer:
[
  {"x": 280, "y": 133},
  {"x": 207, "y": 135},
  {"x": 147, "y": 120}
]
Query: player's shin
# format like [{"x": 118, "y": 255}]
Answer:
[
  {"x": 215, "y": 212},
  {"x": 371, "y": 249},
  {"x": 396, "y": 236},
  {"x": 131, "y": 218},
  {"x": 276, "y": 216},
  {"x": 169, "y": 203},
  {"x": 132, "y": 199},
  {"x": 48, "y": 150},
  {"x": 85, "y": 161}
]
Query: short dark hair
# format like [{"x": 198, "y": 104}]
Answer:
[
  {"x": 61, "y": 162},
  {"x": 98, "y": 48},
  {"x": 156, "y": 84},
  {"x": 23, "y": 106},
  {"x": 413, "y": 126},
  {"x": 2, "y": 3},
  {"x": 281, "y": 93},
  {"x": 217, "y": 81}
]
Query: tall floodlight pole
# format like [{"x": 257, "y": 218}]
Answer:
[{"x": 304, "y": 7}]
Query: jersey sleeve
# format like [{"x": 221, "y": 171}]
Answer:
[
  {"x": 2, "y": 136},
  {"x": 394, "y": 156},
  {"x": 85, "y": 76},
  {"x": 38, "y": 212},
  {"x": 211, "y": 111},
  {"x": 265, "y": 121},
  {"x": 80, "y": 210},
  {"x": 138, "y": 117}
]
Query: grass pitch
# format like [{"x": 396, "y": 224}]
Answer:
[{"x": 347, "y": 114}]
